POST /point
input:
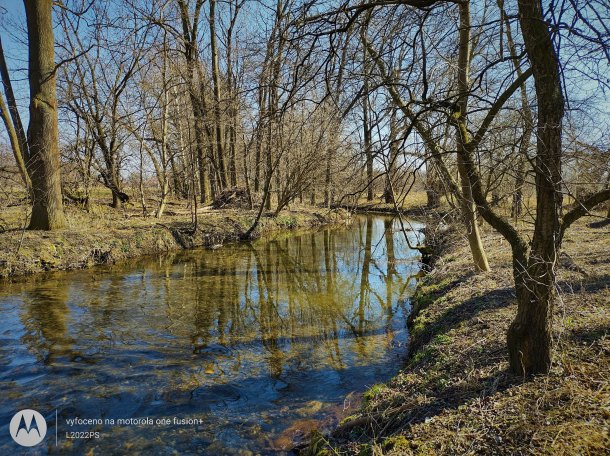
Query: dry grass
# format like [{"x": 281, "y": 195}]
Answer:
[
  {"x": 456, "y": 396},
  {"x": 105, "y": 235},
  {"x": 413, "y": 201}
]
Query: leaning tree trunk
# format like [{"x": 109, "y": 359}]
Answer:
[
  {"x": 468, "y": 212},
  {"x": 43, "y": 165},
  {"x": 529, "y": 336},
  {"x": 467, "y": 205},
  {"x": 528, "y": 122}
]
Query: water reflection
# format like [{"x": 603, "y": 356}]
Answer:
[{"x": 252, "y": 339}]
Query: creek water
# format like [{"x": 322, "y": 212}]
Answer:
[{"x": 253, "y": 345}]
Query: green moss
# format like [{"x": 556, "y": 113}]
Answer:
[
  {"x": 374, "y": 391},
  {"x": 125, "y": 247},
  {"x": 347, "y": 419},
  {"x": 441, "y": 383},
  {"x": 435, "y": 287},
  {"x": 424, "y": 300},
  {"x": 287, "y": 221},
  {"x": 424, "y": 353},
  {"x": 139, "y": 238},
  {"x": 418, "y": 327},
  {"x": 396, "y": 443},
  {"x": 442, "y": 339}
]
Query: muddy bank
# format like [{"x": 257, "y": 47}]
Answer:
[{"x": 91, "y": 240}]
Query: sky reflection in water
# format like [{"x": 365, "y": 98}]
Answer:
[{"x": 256, "y": 340}]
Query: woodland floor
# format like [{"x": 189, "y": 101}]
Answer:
[
  {"x": 456, "y": 396},
  {"x": 105, "y": 235}
]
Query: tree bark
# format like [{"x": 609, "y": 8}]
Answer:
[
  {"x": 528, "y": 122},
  {"x": 368, "y": 147},
  {"x": 529, "y": 336},
  {"x": 12, "y": 134},
  {"x": 189, "y": 37},
  {"x": 468, "y": 208},
  {"x": 219, "y": 130},
  {"x": 391, "y": 169},
  {"x": 12, "y": 122},
  {"x": 43, "y": 135}
]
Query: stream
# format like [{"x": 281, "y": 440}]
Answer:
[{"x": 240, "y": 350}]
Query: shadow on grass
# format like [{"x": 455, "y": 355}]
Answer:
[
  {"x": 599, "y": 224},
  {"x": 435, "y": 381},
  {"x": 440, "y": 398},
  {"x": 465, "y": 311},
  {"x": 590, "y": 335},
  {"x": 587, "y": 285}
]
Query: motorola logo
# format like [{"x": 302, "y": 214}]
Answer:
[{"x": 28, "y": 427}]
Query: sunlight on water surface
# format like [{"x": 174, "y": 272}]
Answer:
[{"x": 260, "y": 342}]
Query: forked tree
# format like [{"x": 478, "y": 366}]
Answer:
[{"x": 534, "y": 263}]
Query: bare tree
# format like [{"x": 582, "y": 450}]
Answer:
[
  {"x": 12, "y": 122},
  {"x": 43, "y": 136}
]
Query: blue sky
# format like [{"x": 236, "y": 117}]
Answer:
[
  {"x": 12, "y": 23},
  {"x": 12, "y": 32}
]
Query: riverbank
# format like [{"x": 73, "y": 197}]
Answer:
[
  {"x": 414, "y": 204},
  {"x": 107, "y": 236},
  {"x": 456, "y": 396}
]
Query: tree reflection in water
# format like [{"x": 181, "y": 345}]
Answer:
[{"x": 249, "y": 337}]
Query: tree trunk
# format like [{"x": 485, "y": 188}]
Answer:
[
  {"x": 432, "y": 194},
  {"x": 468, "y": 208},
  {"x": 528, "y": 122},
  {"x": 201, "y": 161},
  {"x": 529, "y": 336},
  {"x": 43, "y": 164},
  {"x": 191, "y": 54},
  {"x": 12, "y": 134},
  {"x": 517, "y": 206},
  {"x": 391, "y": 169},
  {"x": 219, "y": 131},
  {"x": 232, "y": 147},
  {"x": 12, "y": 121},
  {"x": 118, "y": 197},
  {"x": 469, "y": 217},
  {"x": 259, "y": 134},
  {"x": 269, "y": 169},
  {"x": 328, "y": 178},
  {"x": 246, "y": 174},
  {"x": 368, "y": 147}
]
